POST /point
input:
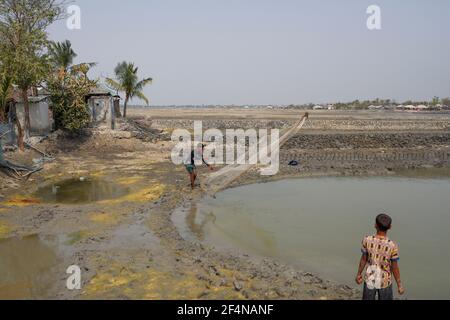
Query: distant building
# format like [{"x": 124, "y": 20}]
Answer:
[
  {"x": 318, "y": 107},
  {"x": 41, "y": 120},
  {"x": 100, "y": 102},
  {"x": 413, "y": 108}
]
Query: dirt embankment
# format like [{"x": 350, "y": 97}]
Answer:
[
  {"x": 312, "y": 124},
  {"x": 366, "y": 153},
  {"x": 129, "y": 248}
]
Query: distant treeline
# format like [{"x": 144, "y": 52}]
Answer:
[{"x": 435, "y": 103}]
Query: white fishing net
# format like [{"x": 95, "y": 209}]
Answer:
[{"x": 223, "y": 178}]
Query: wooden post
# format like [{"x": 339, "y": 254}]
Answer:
[
  {"x": 11, "y": 119},
  {"x": 117, "y": 107},
  {"x": 113, "y": 113},
  {"x": 2, "y": 158},
  {"x": 26, "y": 113},
  {"x": 94, "y": 115}
]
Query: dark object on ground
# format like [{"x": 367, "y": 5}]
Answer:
[
  {"x": 293, "y": 163},
  {"x": 142, "y": 130},
  {"x": 15, "y": 170}
]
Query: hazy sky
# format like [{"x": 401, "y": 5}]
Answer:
[{"x": 269, "y": 51}]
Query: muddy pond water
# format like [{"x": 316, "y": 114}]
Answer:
[
  {"x": 25, "y": 266},
  {"x": 80, "y": 191},
  {"x": 318, "y": 224}
]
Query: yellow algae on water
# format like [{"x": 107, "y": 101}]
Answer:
[
  {"x": 5, "y": 230},
  {"x": 115, "y": 277},
  {"x": 104, "y": 218},
  {"x": 147, "y": 194},
  {"x": 21, "y": 201},
  {"x": 97, "y": 174},
  {"x": 142, "y": 195},
  {"x": 163, "y": 285},
  {"x": 153, "y": 284},
  {"x": 77, "y": 236},
  {"x": 129, "y": 181},
  {"x": 149, "y": 284}
]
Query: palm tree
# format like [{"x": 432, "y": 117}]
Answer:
[
  {"x": 127, "y": 82},
  {"x": 62, "y": 54}
]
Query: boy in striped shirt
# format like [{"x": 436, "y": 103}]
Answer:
[{"x": 380, "y": 256}]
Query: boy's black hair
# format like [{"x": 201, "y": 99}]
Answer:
[{"x": 384, "y": 222}]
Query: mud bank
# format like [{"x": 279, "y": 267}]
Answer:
[{"x": 312, "y": 124}]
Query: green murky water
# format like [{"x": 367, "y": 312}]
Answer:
[
  {"x": 318, "y": 224},
  {"x": 79, "y": 191}
]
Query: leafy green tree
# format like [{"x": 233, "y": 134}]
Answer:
[
  {"x": 68, "y": 91},
  {"x": 446, "y": 102},
  {"x": 5, "y": 88},
  {"x": 23, "y": 25},
  {"x": 36, "y": 69},
  {"x": 127, "y": 81},
  {"x": 435, "y": 101},
  {"x": 61, "y": 54}
]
